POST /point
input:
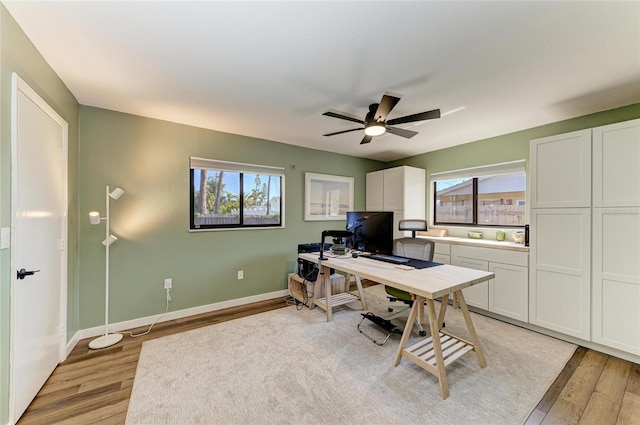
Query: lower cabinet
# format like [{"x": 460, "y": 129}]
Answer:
[
  {"x": 616, "y": 278},
  {"x": 508, "y": 293}
]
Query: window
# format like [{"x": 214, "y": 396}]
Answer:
[
  {"x": 484, "y": 196},
  {"x": 234, "y": 195}
]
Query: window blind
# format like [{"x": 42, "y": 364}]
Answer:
[
  {"x": 485, "y": 170},
  {"x": 215, "y": 165}
]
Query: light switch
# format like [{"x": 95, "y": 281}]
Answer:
[{"x": 5, "y": 238}]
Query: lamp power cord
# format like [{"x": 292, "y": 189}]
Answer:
[{"x": 132, "y": 335}]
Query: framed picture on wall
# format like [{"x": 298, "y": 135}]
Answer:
[{"x": 327, "y": 197}]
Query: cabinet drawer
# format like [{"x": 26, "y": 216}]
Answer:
[
  {"x": 441, "y": 258},
  {"x": 443, "y": 248},
  {"x": 517, "y": 258}
]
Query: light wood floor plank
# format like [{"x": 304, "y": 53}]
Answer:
[
  {"x": 604, "y": 404},
  {"x": 575, "y": 395}
]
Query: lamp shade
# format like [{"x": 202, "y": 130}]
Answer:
[
  {"x": 94, "y": 217},
  {"x": 109, "y": 241},
  {"x": 117, "y": 193}
]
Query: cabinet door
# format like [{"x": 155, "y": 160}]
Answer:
[
  {"x": 560, "y": 277},
  {"x": 476, "y": 295},
  {"x": 374, "y": 194},
  {"x": 393, "y": 184},
  {"x": 616, "y": 160},
  {"x": 616, "y": 278},
  {"x": 560, "y": 170},
  {"x": 509, "y": 291}
]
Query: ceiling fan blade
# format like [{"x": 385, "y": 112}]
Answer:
[
  {"x": 343, "y": 116},
  {"x": 387, "y": 103},
  {"x": 408, "y": 134},
  {"x": 416, "y": 117},
  {"x": 343, "y": 131},
  {"x": 366, "y": 139}
]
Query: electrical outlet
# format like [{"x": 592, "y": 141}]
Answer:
[
  {"x": 240, "y": 274},
  {"x": 168, "y": 284}
]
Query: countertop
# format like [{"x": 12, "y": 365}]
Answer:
[{"x": 481, "y": 243}]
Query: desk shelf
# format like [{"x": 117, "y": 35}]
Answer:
[
  {"x": 336, "y": 300},
  {"x": 423, "y": 354}
]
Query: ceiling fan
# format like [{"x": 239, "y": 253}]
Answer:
[{"x": 376, "y": 123}]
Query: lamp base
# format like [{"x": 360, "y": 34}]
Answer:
[{"x": 105, "y": 341}]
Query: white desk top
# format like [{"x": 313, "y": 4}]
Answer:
[{"x": 432, "y": 282}]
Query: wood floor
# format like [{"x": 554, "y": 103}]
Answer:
[{"x": 93, "y": 387}]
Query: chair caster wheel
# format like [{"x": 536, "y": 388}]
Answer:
[
  {"x": 389, "y": 309},
  {"x": 422, "y": 333}
]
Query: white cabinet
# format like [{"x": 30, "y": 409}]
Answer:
[
  {"x": 616, "y": 278},
  {"x": 507, "y": 293},
  {"x": 375, "y": 191},
  {"x": 442, "y": 253},
  {"x": 399, "y": 189},
  {"x": 585, "y": 249},
  {"x": 560, "y": 280},
  {"x": 616, "y": 165},
  {"x": 560, "y": 171}
]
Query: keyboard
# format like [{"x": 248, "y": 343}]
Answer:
[{"x": 389, "y": 258}]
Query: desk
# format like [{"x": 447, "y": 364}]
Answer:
[{"x": 432, "y": 354}]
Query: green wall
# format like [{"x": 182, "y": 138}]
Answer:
[
  {"x": 17, "y": 54},
  {"x": 150, "y": 160}
]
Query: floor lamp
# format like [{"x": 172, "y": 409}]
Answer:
[{"x": 106, "y": 340}]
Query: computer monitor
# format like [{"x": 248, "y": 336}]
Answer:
[{"x": 372, "y": 231}]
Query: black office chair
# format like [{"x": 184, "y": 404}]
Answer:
[{"x": 411, "y": 247}]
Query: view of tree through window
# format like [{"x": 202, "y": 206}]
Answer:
[
  {"x": 235, "y": 199},
  {"x": 484, "y": 201}
]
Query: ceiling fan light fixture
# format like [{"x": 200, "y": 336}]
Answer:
[{"x": 374, "y": 129}]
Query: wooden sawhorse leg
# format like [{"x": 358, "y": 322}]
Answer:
[{"x": 470, "y": 328}]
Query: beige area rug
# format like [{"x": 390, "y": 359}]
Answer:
[{"x": 292, "y": 367}]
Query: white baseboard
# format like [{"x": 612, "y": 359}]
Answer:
[{"x": 171, "y": 315}]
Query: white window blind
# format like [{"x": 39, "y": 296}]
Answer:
[
  {"x": 486, "y": 170},
  {"x": 215, "y": 165}
]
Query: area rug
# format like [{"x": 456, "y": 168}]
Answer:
[{"x": 290, "y": 366}]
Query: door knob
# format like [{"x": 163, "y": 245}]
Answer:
[{"x": 22, "y": 273}]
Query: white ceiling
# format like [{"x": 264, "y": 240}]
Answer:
[{"x": 270, "y": 69}]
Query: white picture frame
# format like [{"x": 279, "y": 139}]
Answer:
[{"x": 327, "y": 197}]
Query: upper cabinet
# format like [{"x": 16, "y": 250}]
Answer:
[
  {"x": 560, "y": 170},
  {"x": 616, "y": 165},
  {"x": 399, "y": 189}
]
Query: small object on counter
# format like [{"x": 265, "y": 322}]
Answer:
[
  {"x": 500, "y": 234},
  {"x": 474, "y": 235},
  {"x": 518, "y": 237}
]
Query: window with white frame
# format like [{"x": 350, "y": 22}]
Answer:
[
  {"x": 492, "y": 195},
  {"x": 235, "y": 195}
]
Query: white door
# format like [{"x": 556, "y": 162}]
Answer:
[{"x": 39, "y": 233}]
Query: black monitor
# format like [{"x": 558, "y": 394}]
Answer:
[{"x": 372, "y": 231}]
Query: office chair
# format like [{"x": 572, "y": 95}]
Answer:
[{"x": 411, "y": 247}]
